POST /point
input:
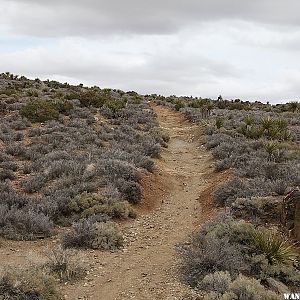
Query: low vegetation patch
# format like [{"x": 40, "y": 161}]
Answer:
[
  {"x": 95, "y": 233},
  {"x": 226, "y": 248},
  {"x": 28, "y": 284},
  {"x": 85, "y": 158}
]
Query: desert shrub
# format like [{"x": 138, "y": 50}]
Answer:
[
  {"x": 40, "y": 111},
  {"x": 19, "y": 124},
  {"x": 15, "y": 149},
  {"x": 111, "y": 107},
  {"x": 216, "y": 282},
  {"x": 81, "y": 235},
  {"x": 287, "y": 172},
  {"x": 280, "y": 186},
  {"x": 225, "y": 150},
  {"x": 215, "y": 140},
  {"x": 179, "y": 104},
  {"x": 116, "y": 169},
  {"x": 92, "y": 98},
  {"x": 250, "y": 166},
  {"x": 4, "y": 157},
  {"x": 217, "y": 247},
  {"x": 257, "y": 252},
  {"x": 23, "y": 224},
  {"x": 7, "y": 174},
  {"x": 118, "y": 209},
  {"x": 9, "y": 165},
  {"x": 64, "y": 264},
  {"x": 65, "y": 167},
  {"x": 209, "y": 129},
  {"x": 212, "y": 255},
  {"x": 131, "y": 190},
  {"x": 34, "y": 183},
  {"x": 294, "y": 106},
  {"x": 287, "y": 274},
  {"x": 223, "y": 164},
  {"x": 219, "y": 122},
  {"x": 62, "y": 106},
  {"x": 32, "y": 93},
  {"x": 28, "y": 284},
  {"x": 85, "y": 201},
  {"x": 144, "y": 162},
  {"x": 250, "y": 289},
  {"x": 236, "y": 188},
  {"x": 107, "y": 236},
  {"x": 8, "y": 91},
  {"x": 151, "y": 148},
  {"x": 10, "y": 197},
  {"x": 18, "y": 136},
  {"x": 257, "y": 209},
  {"x": 90, "y": 233},
  {"x": 88, "y": 204},
  {"x": 53, "y": 207}
]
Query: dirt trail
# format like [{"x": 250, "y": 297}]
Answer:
[{"x": 147, "y": 267}]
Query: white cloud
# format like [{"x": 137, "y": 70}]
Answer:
[{"x": 246, "y": 50}]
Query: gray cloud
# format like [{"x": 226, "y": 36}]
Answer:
[
  {"x": 165, "y": 71},
  {"x": 241, "y": 49},
  {"x": 96, "y": 17}
]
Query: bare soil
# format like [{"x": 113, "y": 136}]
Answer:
[{"x": 177, "y": 201}]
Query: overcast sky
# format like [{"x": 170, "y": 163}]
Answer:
[{"x": 241, "y": 49}]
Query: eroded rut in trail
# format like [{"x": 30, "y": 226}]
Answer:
[{"x": 147, "y": 267}]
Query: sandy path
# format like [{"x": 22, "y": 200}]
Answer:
[{"x": 147, "y": 267}]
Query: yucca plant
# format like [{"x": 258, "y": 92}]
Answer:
[
  {"x": 274, "y": 133},
  {"x": 286, "y": 135},
  {"x": 267, "y": 125},
  {"x": 249, "y": 120},
  {"x": 271, "y": 148},
  {"x": 281, "y": 124},
  {"x": 273, "y": 245}
]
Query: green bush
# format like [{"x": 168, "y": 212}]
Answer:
[
  {"x": 249, "y": 120},
  {"x": 114, "y": 105},
  {"x": 32, "y": 93},
  {"x": 178, "y": 105},
  {"x": 40, "y": 111},
  {"x": 62, "y": 106},
  {"x": 88, "y": 204},
  {"x": 93, "y": 98},
  {"x": 219, "y": 122}
]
